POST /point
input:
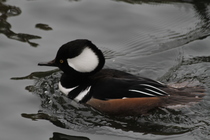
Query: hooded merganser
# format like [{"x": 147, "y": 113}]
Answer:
[{"x": 112, "y": 91}]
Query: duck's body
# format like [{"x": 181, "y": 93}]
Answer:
[{"x": 112, "y": 91}]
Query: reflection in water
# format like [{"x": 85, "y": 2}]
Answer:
[
  {"x": 43, "y": 116},
  {"x": 43, "y": 26},
  {"x": 59, "y": 136},
  {"x": 65, "y": 113},
  {"x": 201, "y": 7},
  {"x": 5, "y": 27},
  {"x": 36, "y": 75}
]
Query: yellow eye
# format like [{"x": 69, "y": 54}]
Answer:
[{"x": 61, "y": 61}]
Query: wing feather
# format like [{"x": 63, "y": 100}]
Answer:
[{"x": 119, "y": 88}]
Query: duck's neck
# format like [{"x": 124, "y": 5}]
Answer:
[{"x": 72, "y": 80}]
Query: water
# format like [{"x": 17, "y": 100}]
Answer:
[{"x": 166, "y": 40}]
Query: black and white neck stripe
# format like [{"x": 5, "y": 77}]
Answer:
[{"x": 77, "y": 93}]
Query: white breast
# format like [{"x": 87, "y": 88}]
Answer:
[
  {"x": 80, "y": 95},
  {"x": 65, "y": 90}
]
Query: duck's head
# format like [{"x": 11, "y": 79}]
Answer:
[{"x": 78, "y": 56}]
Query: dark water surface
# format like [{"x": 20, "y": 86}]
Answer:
[{"x": 166, "y": 40}]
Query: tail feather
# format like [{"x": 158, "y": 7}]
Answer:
[{"x": 184, "y": 95}]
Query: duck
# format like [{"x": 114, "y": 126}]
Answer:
[{"x": 112, "y": 91}]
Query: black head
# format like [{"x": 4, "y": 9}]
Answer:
[{"x": 78, "y": 56}]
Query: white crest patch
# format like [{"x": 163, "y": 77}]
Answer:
[
  {"x": 65, "y": 90},
  {"x": 87, "y": 61}
]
